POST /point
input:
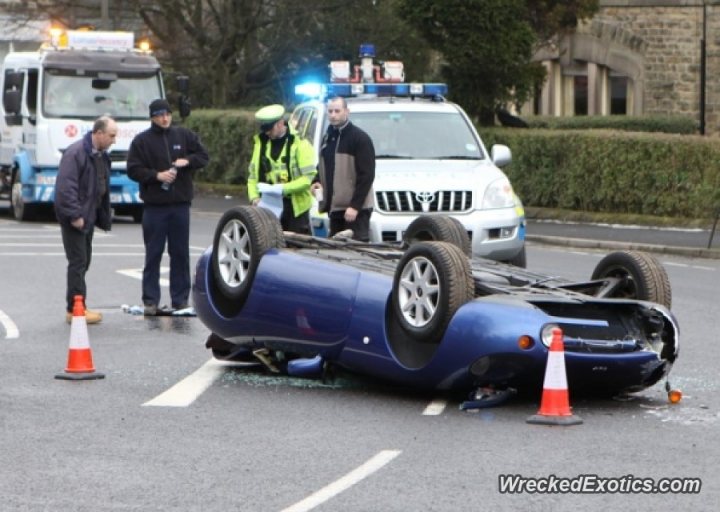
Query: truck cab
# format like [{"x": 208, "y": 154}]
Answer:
[{"x": 50, "y": 99}]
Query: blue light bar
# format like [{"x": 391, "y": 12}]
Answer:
[
  {"x": 346, "y": 90},
  {"x": 435, "y": 89},
  {"x": 310, "y": 90},
  {"x": 367, "y": 50}
]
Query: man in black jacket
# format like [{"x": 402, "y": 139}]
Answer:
[
  {"x": 346, "y": 172},
  {"x": 163, "y": 159},
  {"x": 82, "y": 201}
]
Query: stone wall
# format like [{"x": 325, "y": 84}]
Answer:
[{"x": 667, "y": 36}]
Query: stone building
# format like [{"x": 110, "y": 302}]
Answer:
[{"x": 638, "y": 57}]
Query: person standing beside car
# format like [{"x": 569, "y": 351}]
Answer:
[
  {"x": 82, "y": 201},
  {"x": 282, "y": 158},
  {"x": 347, "y": 172},
  {"x": 163, "y": 160}
]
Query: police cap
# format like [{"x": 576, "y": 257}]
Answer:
[{"x": 268, "y": 116}]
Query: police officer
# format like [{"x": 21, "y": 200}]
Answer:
[{"x": 280, "y": 157}]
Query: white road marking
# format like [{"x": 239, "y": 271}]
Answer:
[
  {"x": 344, "y": 483},
  {"x": 187, "y": 390},
  {"x": 435, "y": 408},
  {"x": 11, "y": 330},
  {"x": 136, "y": 273}
]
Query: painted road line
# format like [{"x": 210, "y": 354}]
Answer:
[
  {"x": 435, "y": 408},
  {"x": 344, "y": 483},
  {"x": 11, "y": 330},
  {"x": 187, "y": 390}
]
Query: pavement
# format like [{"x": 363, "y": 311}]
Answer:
[{"x": 689, "y": 242}]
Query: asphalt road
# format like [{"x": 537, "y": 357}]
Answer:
[{"x": 170, "y": 430}]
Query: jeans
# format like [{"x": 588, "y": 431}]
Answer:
[
  {"x": 361, "y": 226},
  {"x": 171, "y": 224},
  {"x": 78, "y": 250}
]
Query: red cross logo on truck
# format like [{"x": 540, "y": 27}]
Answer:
[{"x": 71, "y": 130}]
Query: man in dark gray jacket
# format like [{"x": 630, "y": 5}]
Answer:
[{"x": 82, "y": 201}]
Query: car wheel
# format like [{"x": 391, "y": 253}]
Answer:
[
  {"x": 242, "y": 236},
  {"x": 638, "y": 276},
  {"x": 440, "y": 229},
  {"x": 431, "y": 282}
]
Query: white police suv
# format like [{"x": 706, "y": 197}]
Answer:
[{"x": 429, "y": 157}]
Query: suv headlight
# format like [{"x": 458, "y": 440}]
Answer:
[{"x": 499, "y": 194}]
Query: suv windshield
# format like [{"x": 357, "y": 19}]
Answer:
[
  {"x": 425, "y": 135},
  {"x": 68, "y": 95}
]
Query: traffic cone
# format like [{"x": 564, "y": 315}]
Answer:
[
  {"x": 80, "y": 363},
  {"x": 555, "y": 403}
]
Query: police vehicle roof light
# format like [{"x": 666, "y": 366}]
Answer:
[
  {"x": 367, "y": 50},
  {"x": 310, "y": 90}
]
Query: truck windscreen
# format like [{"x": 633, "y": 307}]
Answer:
[{"x": 66, "y": 94}]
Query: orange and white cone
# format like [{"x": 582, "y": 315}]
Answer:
[
  {"x": 80, "y": 364},
  {"x": 555, "y": 403}
]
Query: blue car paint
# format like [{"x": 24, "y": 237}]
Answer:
[{"x": 341, "y": 313}]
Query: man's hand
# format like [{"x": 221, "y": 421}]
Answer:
[
  {"x": 167, "y": 176},
  {"x": 78, "y": 223},
  {"x": 350, "y": 214},
  {"x": 181, "y": 162}
]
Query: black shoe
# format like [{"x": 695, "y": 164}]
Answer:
[{"x": 150, "y": 310}]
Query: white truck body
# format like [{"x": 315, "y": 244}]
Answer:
[{"x": 50, "y": 100}]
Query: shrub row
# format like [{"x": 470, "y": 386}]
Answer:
[
  {"x": 594, "y": 170},
  {"x": 613, "y": 172},
  {"x": 669, "y": 124}
]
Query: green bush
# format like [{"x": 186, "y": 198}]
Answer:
[
  {"x": 669, "y": 124},
  {"x": 613, "y": 172},
  {"x": 603, "y": 171},
  {"x": 227, "y": 135}
]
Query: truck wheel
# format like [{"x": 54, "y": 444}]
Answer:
[
  {"x": 20, "y": 210},
  {"x": 440, "y": 229},
  {"x": 137, "y": 214},
  {"x": 242, "y": 236},
  {"x": 634, "y": 275},
  {"x": 431, "y": 282}
]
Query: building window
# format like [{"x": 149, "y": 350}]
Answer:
[
  {"x": 618, "y": 95},
  {"x": 580, "y": 94}
]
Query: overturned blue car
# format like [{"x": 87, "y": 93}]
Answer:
[{"x": 425, "y": 313}]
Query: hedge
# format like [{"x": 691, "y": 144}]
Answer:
[
  {"x": 613, "y": 172},
  {"x": 686, "y": 125},
  {"x": 604, "y": 171}
]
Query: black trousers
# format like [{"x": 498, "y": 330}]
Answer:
[
  {"x": 361, "y": 226},
  {"x": 166, "y": 225},
  {"x": 78, "y": 250}
]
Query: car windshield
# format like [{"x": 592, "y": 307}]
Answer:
[
  {"x": 67, "y": 95},
  {"x": 419, "y": 135}
]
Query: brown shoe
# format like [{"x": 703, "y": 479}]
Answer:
[{"x": 91, "y": 317}]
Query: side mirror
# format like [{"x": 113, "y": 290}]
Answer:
[
  {"x": 183, "y": 85},
  {"x": 500, "y": 155},
  {"x": 12, "y": 101},
  {"x": 185, "y": 106}
]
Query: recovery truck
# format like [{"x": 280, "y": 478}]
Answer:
[{"x": 50, "y": 99}]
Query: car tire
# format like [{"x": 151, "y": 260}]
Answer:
[
  {"x": 439, "y": 229},
  {"x": 242, "y": 236},
  {"x": 431, "y": 282},
  {"x": 641, "y": 277}
]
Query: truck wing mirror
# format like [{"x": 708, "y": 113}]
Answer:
[{"x": 12, "y": 101}]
